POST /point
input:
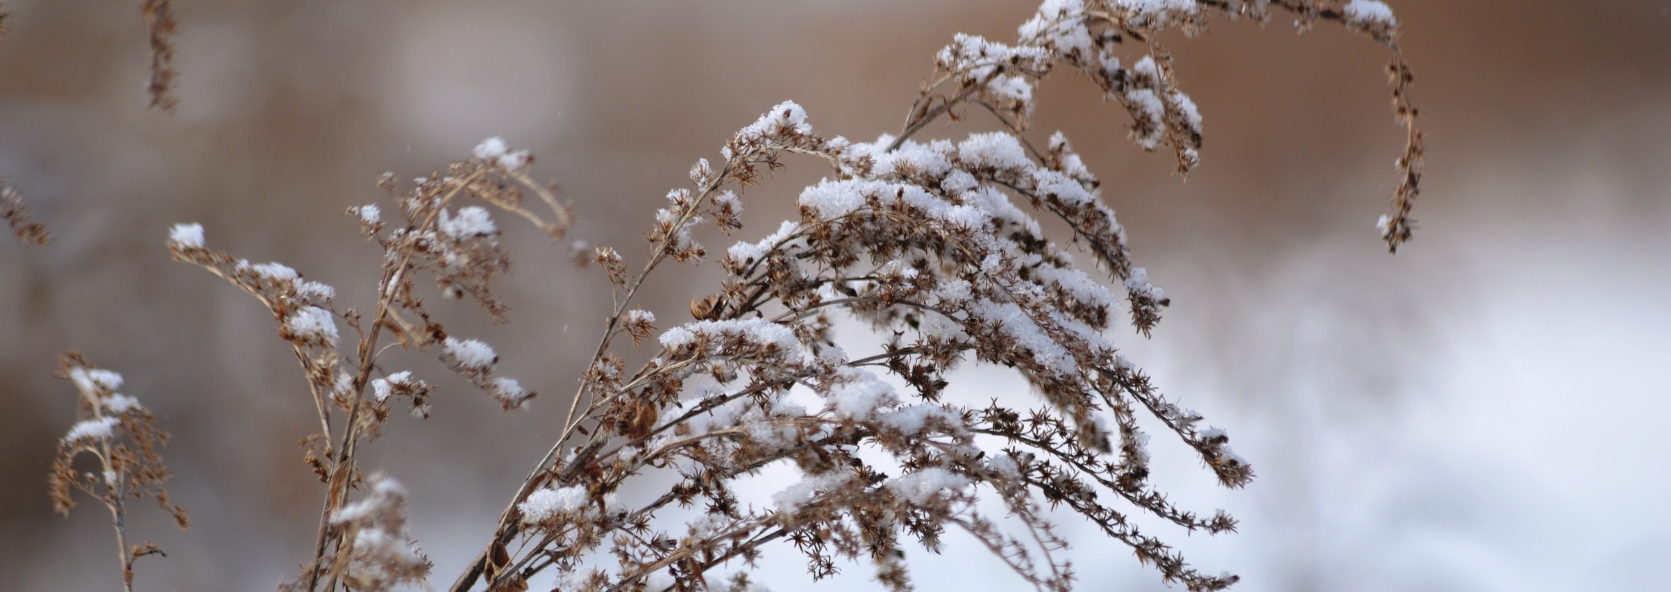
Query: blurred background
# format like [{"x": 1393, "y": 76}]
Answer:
[{"x": 1486, "y": 410}]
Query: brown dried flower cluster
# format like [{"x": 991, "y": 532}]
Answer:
[
  {"x": 935, "y": 245},
  {"x": 160, "y": 24},
  {"x": 456, "y": 245},
  {"x": 162, "y": 29},
  {"x": 24, "y": 229},
  {"x": 123, "y": 437}
]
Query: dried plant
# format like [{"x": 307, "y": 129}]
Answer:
[
  {"x": 162, "y": 29},
  {"x": 24, "y": 229},
  {"x": 160, "y": 24},
  {"x": 121, "y": 434},
  {"x": 934, "y": 245},
  {"x": 354, "y": 396}
]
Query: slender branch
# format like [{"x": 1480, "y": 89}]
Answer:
[{"x": 119, "y": 521}]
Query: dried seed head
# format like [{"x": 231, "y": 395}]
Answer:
[{"x": 24, "y": 229}]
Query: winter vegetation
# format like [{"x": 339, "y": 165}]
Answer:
[{"x": 992, "y": 248}]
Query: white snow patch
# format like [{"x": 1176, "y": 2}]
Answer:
[{"x": 186, "y": 235}]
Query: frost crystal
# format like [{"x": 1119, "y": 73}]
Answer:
[
  {"x": 1014, "y": 88},
  {"x": 470, "y": 354},
  {"x": 786, "y": 116},
  {"x": 1369, "y": 12},
  {"x": 1155, "y": 9},
  {"x": 315, "y": 292},
  {"x": 757, "y": 331},
  {"x": 384, "y": 490},
  {"x": 186, "y": 236},
  {"x": 547, "y": 503},
  {"x": 1014, "y": 321},
  {"x": 729, "y": 200},
  {"x": 797, "y": 495},
  {"x": 272, "y": 271},
  {"x": 861, "y": 396},
  {"x": 381, "y": 554},
  {"x": 312, "y": 322},
  {"x": 471, "y": 221},
  {"x": 383, "y": 388},
  {"x": 490, "y": 148},
  {"x": 119, "y": 404},
  {"x": 513, "y": 160},
  {"x": 1153, "y": 112},
  {"x": 1138, "y": 284},
  {"x": 510, "y": 393},
  {"x": 1004, "y": 465},
  {"x": 996, "y": 150},
  {"x": 91, "y": 429},
  {"x": 343, "y": 388},
  {"x": 369, "y": 214},
  {"x": 1192, "y": 115},
  {"x": 744, "y": 253},
  {"x": 911, "y": 420},
  {"x": 924, "y": 485},
  {"x": 94, "y": 379}
]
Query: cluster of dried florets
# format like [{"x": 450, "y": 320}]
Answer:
[
  {"x": 1089, "y": 36},
  {"x": 438, "y": 235},
  {"x": 24, "y": 229},
  {"x": 923, "y": 242},
  {"x": 936, "y": 245},
  {"x": 162, "y": 29},
  {"x": 376, "y": 553},
  {"x": 123, "y": 437}
]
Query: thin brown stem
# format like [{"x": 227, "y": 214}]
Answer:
[{"x": 119, "y": 521}]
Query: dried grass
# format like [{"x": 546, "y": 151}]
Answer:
[{"x": 934, "y": 244}]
